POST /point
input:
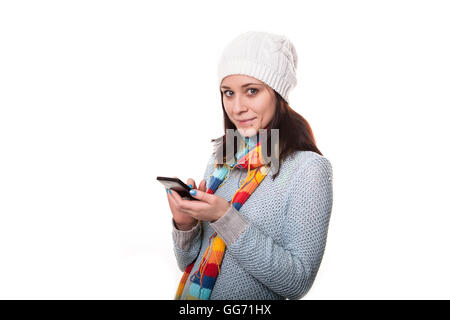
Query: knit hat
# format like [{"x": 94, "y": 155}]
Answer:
[{"x": 265, "y": 56}]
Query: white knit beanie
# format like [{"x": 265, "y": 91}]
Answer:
[{"x": 267, "y": 57}]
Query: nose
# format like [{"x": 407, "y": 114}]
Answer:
[{"x": 239, "y": 104}]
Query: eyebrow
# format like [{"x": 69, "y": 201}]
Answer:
[{"x": 243, "y": 86}]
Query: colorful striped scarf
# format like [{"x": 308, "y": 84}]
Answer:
[{"x": 203, "y": 280}]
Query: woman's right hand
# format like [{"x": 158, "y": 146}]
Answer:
[{"x": 184, "y": 221}]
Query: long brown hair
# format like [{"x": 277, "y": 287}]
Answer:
[{"x": 295, "y": 133}]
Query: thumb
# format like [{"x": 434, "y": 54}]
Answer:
[{"x": 201, "y": 195}]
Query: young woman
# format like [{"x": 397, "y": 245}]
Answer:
[{"x": 255, "y": 233}]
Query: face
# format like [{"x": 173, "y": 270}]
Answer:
[{"x": 249, "y": 103}]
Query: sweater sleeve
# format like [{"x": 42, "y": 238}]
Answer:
[
  {"x": 187, "y": 244},
  {"x": 288, "y": 269}
]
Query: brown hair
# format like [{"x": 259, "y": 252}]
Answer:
[{"x": 295, "y": 133}]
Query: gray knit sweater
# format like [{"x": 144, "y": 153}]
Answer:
[{"x": 276, "y": 241}]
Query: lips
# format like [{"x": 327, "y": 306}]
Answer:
[{"x": 247, "y": 121}]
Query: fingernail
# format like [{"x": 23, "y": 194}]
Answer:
[
  {"x": 170, "y": 191},
  {"x": 190, "y": 186},
  {"x": 167, "y": 190},
  {"x": 193, "y": 192}
]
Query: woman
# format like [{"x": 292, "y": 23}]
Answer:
[{"x": 249, "y": 237}]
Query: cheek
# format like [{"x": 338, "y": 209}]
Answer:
[
  {"x": 271, "y": 113},
  {"x": 267, "y": 115},
  {"x": 227, "y": 109}
]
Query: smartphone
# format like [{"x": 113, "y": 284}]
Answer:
[{"x": 177, "y": 185}]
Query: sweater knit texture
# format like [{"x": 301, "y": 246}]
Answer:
[{"x": 276, "y": 241}]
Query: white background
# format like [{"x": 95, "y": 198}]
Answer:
[{"x": 97, "y": 98}]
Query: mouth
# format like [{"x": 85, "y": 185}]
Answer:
[{"x": 246, "y": 122}]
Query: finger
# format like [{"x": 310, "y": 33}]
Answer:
[
  {"x": 171, "y": 200},
  {"x": 175, "y": 197},
  {"x": 202, "y": 185},
  {"x": 190, "y": 182},
  {"x": 202, "y": 195},
  {"x": 170, "y": 197},
  {"x": 179, "y": 202},
  {"x": 188, "y": 206}
]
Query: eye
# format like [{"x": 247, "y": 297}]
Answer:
[
  {"x": 255, "y": 91},
  {"x": 225, "y": 92}
]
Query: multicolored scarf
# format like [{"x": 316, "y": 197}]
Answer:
[{"x": 203, "y": 280}]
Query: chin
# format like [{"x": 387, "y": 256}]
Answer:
[{"x": 247, "y": 132}]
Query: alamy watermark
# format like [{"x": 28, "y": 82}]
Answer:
[{"x": 231, "y": 134}]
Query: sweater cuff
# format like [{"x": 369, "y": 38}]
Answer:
[
  {"x": 230, "y": 226},
  {"x": 182, "y": 238}
]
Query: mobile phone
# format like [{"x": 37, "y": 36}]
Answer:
[{"x": 177, "y": 185}]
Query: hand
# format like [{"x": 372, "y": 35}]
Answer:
[
  {"x": 183, "y": 221},
  {"x": 209, "y": 208}
]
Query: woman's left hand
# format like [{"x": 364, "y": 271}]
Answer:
[{"x": 209, "y": 208}]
